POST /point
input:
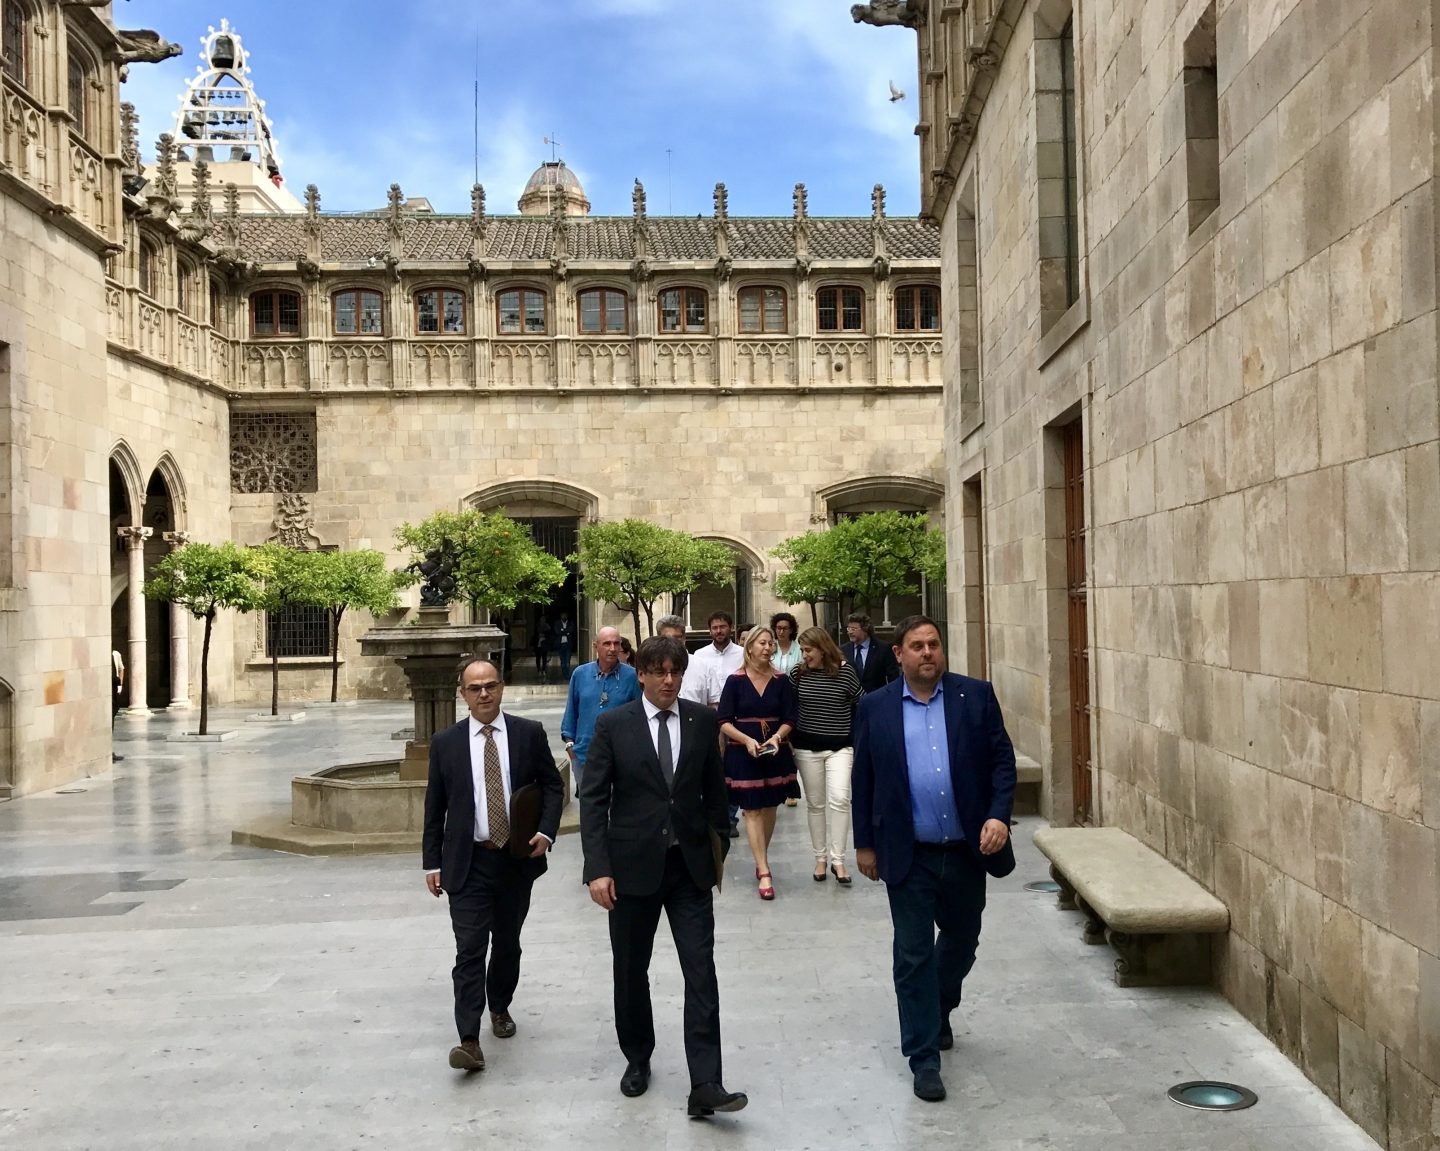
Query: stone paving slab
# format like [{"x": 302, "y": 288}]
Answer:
[{"x": 256, "y": 1000}]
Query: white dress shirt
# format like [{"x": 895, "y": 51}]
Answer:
[
  {"x": 651, "y": 712},
  {"x": 716, "y": 666},
  {"x": 477, "y": 771}
]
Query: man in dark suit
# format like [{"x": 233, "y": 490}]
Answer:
[
  {"x": 932, "y": 788},
  {"x": 873, "y": 661},
  {"x": 653, "y": 820},
  {"x": 476, "y": 766}
]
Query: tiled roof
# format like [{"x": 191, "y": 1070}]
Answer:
[{"x": 277, "y": 238}]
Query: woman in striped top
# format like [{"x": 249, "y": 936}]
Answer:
[{"x": 828, "y": 689}]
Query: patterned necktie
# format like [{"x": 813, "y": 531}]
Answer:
[
  {"x": 859, "y": 657},
  {"x": 666, "y": 752},
  {"x": 495, "y": 791}
]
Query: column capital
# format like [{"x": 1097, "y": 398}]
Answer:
[
  {"x": 134, "y": 537},
  {"x": 176, "y": 539}
]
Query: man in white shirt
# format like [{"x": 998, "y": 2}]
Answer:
[
  {"x": 476, "y": 766},
  {"x": 718, "y": 659}
]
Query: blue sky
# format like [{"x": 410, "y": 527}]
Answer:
[{"x": 758, "y": 93}]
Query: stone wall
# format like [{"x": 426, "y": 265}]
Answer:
[{"x": 1259, "y": 406}]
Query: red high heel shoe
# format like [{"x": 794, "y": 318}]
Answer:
[{"x": 767, "y": 892}]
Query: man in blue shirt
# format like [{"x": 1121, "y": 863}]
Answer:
[
  {"x": 932, "y": 789},
  {"x": 601, "y": 685}
]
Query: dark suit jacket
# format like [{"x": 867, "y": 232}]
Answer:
[
  {"x": 449, "y": 838},
  {"x": 880, "y": 668},
  {"x": 626, "y": 811},
  {"x": 982, "y": 772}
]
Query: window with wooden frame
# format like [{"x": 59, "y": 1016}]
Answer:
[
  {"x": 148, "y": 270},
  {"x": 840, "y": 309},
  {"x": 604, "y": 312},
  {"x": 917, "y": 308},
  {"x": 522, "y": 312},
  {"x": 358, "y": 312},
  {"x": 440, "y": 312},
  {"x": 684, "y": 310},
  {"x": 14, "y": 33},
  {"x": 763, "y": 309},
  {"x": 274, "y": 314},
  {"x": 77, "y": 83}
]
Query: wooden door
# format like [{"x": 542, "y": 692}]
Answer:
[{"x": 1077, "y": 597}]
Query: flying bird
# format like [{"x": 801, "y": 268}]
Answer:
[{"x": 895, "y": 93}]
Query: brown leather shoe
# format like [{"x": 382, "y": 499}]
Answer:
[
  {"x": 502, "y": 1024},
  {"x": 468, "y": 1056}
]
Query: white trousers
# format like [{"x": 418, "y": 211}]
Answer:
[{"x": 825, "y": 776}]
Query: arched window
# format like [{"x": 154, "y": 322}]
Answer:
[
  {"x": 184, "y": 288},
  {"x": 522, "y": 311},
  {"x": 148, "y": 270},
  {"x": 917, "y": 308},
  {"x": 683, "y": 310},
  {"x": 274, "y": 314},
  {"x": 358, "y": 312},
  {"x": 604, "y": 311},
  {"x": 840, "y": 309},
  {"x": 216, "y": 304},
  {"x": 763, "y": 310},
  {"x": 77, "y": 83},
  {"x": 14, "y": 31},
  {"x": 440, "y": 311}
]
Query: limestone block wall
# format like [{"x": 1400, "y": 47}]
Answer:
[
  {"x": 744, "y": 471},
  {"x": 54, "y": 614},
  {"x": 1259, "y": 406}
]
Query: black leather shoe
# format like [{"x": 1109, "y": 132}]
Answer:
[
  {"x": 947, "y": 1037},
  {"x": 502, "y": 1024},
  {"x": 636, "y": 1079},
  {"x": 734, "y": 831},
  {"x": 709, "y": 1098},
  {"x": 929, "y": 1086}
]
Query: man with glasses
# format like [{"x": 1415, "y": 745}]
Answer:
[
  {"x": 595, "y": 687},
  {"x": 476, "y": 767}
]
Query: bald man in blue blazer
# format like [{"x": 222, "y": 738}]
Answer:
[{"x": 932, "y": 790}]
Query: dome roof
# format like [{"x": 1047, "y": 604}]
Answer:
[{"x": 553, "y": 174}]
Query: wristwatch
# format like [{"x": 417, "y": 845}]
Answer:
[{"x": 569, "y": 745}]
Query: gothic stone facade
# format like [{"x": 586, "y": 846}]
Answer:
[
  {"x": 177, "y": 370},
  {"x": 1193, "y": 476}
]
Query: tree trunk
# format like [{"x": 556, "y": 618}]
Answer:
[
  {"x": 814, "y": 615},
  {"x": 635, "y": 615},
  {"x": 649, "y": 621},
  {"x": 205, "y": 674},
  {"x": 335, "y": 614},
  {"x": 274, "y": 672}
]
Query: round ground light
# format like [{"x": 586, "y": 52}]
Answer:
[
  {"x": 1211, "y": 1095},
  {"x": 1046, "y": 885}
]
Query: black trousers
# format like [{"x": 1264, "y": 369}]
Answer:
[
  {"x": 632, "y": 939},
  {"x": 487, "y": 913}
]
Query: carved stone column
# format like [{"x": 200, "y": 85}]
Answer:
[
  {"x": 135, "y": 662},
  {"x": 179, "y": 641}
]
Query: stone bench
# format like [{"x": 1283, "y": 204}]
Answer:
[
  {"x": 1158, "y": 919},
  {"x": 1027, "y": 785}
]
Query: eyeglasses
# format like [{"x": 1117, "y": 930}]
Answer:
[{"x": 482, "y": 688}]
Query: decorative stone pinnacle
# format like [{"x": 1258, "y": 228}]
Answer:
[
  {"x": 637, "y": 199},
  {"x": 230, "y": 233},
  {"x": 801, "y": 201},
  {"x": 200, "y": 211},
  {"x": 477, "y": 209},
  {"x": 397, "y": 201},
  {"x": 877, "y": 202},
  {"x": 166, "y": 184},
  {"x": 722, "y": 202},
  {"x": 130, "y": 138}
]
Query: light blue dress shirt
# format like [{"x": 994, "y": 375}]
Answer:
[
  {"x": 927, "y": 761},
  {"x": 592, "y": 692}
]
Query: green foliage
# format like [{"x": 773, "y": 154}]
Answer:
[
  {"x": 631, "y": 563},
  {"x": 206, "y": 578},
  {"x": 866, "y": 558},
  {"x": 499, "y": 565},
  {"x": 359, "y": 579}
]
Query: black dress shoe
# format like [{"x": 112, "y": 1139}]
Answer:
[
  {"x": 929, "y": 1086},
  {"x": 947, "y": 1037},
  {"x": 734, "y": 831},
  {"x": 502, "y": 1024},
  {"x": 709, "y": 1098},
  {"x": 636, "y": 1079}
]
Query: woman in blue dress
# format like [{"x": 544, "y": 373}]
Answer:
[{"x": 757, "y": 713}]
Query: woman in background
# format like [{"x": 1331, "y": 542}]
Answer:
[{"x": 828, "y": 690}]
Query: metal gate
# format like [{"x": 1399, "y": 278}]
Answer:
[{"x": 1078, "y": 616}]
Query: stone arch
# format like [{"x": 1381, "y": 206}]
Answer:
[
  {"x": 131, "y": 476},
  {"x": 169, "y": 471},
  {"x": 876, "y": 493},
  {"x": 739, "y": 597},
  {"x": 745, "y": 551},
  {"x": 544, "y": 494}
]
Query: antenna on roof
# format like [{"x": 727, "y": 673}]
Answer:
[
  {"x": 669, "y": 187},
  {"x": 477, "y": 102}
]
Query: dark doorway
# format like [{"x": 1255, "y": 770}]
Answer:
[
  {"x": 558, "y": 535},
  {"x": 160, "y": 518},
  {"x": 120, "y": 517},
  {"x": 1078, "y": 618}
]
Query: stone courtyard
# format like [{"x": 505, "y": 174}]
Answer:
[{"x": 164, "y": 989}]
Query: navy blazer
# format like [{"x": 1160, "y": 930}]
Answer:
[
  {"x": 449, "y": 837},
  {"x": 982, "y": 772}
]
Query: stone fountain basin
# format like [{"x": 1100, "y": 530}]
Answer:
[{"x": 360, "y": 798}]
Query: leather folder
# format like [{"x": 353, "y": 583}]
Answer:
[
  {"x": 524, "y": 819},
  {"x": 717, "y": 855}
]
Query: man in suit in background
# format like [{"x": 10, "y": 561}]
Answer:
[
  {"x": 476, "y": 766},
  {"x": 873, "y": 661},
  {"x": 932, "y": 789},
  {"x": 652, "y": 823}
]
